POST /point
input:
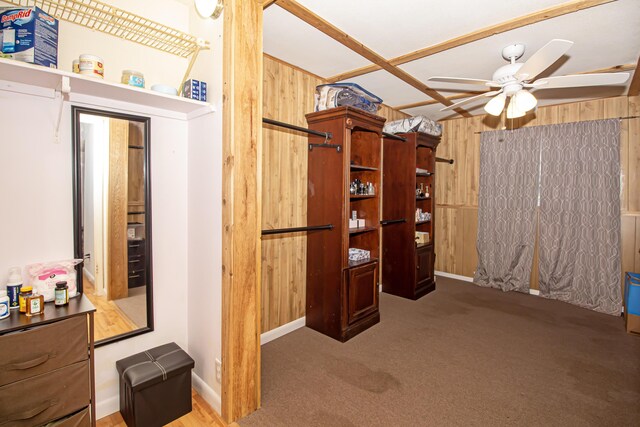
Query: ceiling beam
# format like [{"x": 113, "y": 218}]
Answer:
[
  {"x": 634, "y": 88},
  {"x": 335, "y": 33},
  {"x": 612, "y": 69},
  {"x": 267, "y": 3},
  {"x": 512, "y": 24},
  {"x": 433, "y": 101}
]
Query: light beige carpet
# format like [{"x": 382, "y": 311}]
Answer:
[
  {"x": 135, "y": 306},
  {"x": 460, "y": 356}
]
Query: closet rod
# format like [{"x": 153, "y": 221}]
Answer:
[
  {"x": 326, "y": 135},
  {"x": 296, "y": 229},
  {"x": 441, "y": 160},
  {"x": 619, "y": 118},
  {"x": 392, "y": 136},
  {"x": 392, "y": 221}
]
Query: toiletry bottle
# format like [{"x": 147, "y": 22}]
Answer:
[
  {"x": 61, "y": 294},
  {"x": 25, "y": 292},
  {"x": 13, "y": 287},
  {"x": 34, "y": 305},
  {"x": 4, "y": 304}
]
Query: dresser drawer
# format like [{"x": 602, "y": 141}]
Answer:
[
  {"x": 135, "y": 247},
  {"x": 136, "y": 263},
  {"x": 47, "y": 397},
  {"x": 137, "y": 278},
  {"x": 42, "y": 349},
  {"x": 79, "y": 419}
]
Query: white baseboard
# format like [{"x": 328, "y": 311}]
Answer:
[
  {"x": 454, "y": 276},
  {"x": 282, "y": 330},
  {"x": 107, "y": 406},
  {"x": 90, "y": 276},
  {"x": 470, "y": 279},
  {"x": 207, "y": 393}
]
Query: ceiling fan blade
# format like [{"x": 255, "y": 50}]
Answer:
[
  {"x": 462, "y": 80},
  {"x": 579, "y": 80},
  {"x": 543, "y": 58},
  {"x": 464, "y": 101}
]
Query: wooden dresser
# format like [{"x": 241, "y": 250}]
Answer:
[{"x": 47, "y": 367}]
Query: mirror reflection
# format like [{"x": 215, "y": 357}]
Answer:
[{"x": 112, "y": 221}]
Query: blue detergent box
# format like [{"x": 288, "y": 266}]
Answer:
[
  {"x": 28, "y": 34},
  {"x": 195, "y": 89},
  {"x": 632, "y": 302}
]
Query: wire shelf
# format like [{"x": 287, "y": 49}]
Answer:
[{"x": 119, "y": 23}]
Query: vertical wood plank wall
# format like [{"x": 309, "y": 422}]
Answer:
[
  {"x": 457, "y": 191},
  {"x": 287, "y": 96}
]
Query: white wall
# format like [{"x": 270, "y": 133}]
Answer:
[
  {"x": 36, "y": 221},
  {"x": 205, "y": 218},
  {"x": 169, "y": 244}
]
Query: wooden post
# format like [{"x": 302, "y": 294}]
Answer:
[{"x": 242, "y": 207}]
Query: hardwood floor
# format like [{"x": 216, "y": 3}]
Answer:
[
  {"x": 201, "y": 415},
  {"x": 109, "y": 319}
]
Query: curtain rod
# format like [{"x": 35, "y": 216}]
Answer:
[{"x": 619, "y": 118}]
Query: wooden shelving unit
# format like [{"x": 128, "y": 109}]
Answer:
[
  {"x": 407, "y": 267},
  {"x": 342, "y": 295}
]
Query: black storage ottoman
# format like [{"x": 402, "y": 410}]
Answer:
[{"x": 155, "y": 386}]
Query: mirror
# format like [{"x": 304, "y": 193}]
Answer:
[{"x": 112, "y": 220}]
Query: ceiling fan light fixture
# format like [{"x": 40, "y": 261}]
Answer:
[
  {"x": 209, "y": 8},
  {"x": 513, "y": 112},
  {"x": 496, "y": 105},
  {"x": 524, "y": 100}
]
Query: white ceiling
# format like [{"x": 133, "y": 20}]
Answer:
[{"x": 604, "y": 36}]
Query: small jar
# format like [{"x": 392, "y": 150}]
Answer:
[
  {"x": 132, "y": 78},
  {"x": 91, "y": 65},
  {"x": 75, "y": 65},
  {"x": 25, "y": 292},
  {"x": 61, "y": 294},
  {"x": 34, "y": 305},
  {"x": 4, "y": 305}
]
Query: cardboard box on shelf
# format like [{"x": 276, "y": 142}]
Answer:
[
  {"x": 422, "y": 237},
  {"x": 28, "y": 34}
]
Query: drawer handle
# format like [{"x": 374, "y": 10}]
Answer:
[
  {"x": 30, "y": 413},
  {"x": 134, "y": 261},
  {"x": 134, "y": 246},
  {"x": 28, "y": 364},
  {"x": 134, "y": 277}
]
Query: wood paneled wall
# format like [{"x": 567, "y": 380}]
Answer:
[
  {"x": 457, "y": 191},
  {"x": 288, "y": 96}
]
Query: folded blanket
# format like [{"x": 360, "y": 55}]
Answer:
[
  {"x": 414, "y": 124},
  {"x": 346, "y": 94}
]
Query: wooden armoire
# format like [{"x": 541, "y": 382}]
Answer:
[
  {"x": 342, "y": 295},
  {"x": 409, "y": 166}
]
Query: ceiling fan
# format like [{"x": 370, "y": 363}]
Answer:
[{"x": 516, "y": 79}]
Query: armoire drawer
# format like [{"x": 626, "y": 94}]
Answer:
[
  {"x": 47, "y": 397},
  {"x": 42, "y": 349}
]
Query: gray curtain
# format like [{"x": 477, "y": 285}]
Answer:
[
  {"x": 580, "y": 214},
  {"x": 509, "y": 162}
]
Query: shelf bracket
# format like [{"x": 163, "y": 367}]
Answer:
[
  {"x": 62, "y": 92},
  {"x": 200, "y": 45}
]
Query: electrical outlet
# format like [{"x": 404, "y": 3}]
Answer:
[{"x": 218, "y": 370}]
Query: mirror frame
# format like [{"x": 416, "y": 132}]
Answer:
[{"x": 78, "y": 247}]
